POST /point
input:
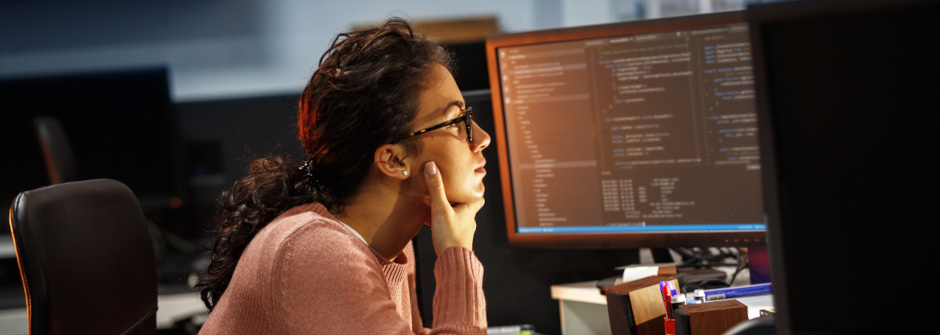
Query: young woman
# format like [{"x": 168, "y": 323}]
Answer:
[{"x": 326, "y": 247}]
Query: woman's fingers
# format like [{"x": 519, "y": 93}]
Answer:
[
  {"x": 450, "y": 225},
  {"x": 435, "y": 183}
]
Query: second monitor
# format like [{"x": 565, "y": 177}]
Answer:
[{"x": 627, "y": 135}]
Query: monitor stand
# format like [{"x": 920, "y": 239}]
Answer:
[
  {"x": 664, "y": 255},
  {"x": 686, "y": 275},
  {"x": 661, "y": 255}
]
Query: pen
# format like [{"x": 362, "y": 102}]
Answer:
[
  {"x": 669, "y": 321},
  {"x": 667, "y": 298},
  {"x": 738, "y": 291}
]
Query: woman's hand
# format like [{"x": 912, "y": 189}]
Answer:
[{"x": 451, "y": 225}]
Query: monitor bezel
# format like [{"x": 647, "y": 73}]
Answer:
[{"x": 600, "y": 240}]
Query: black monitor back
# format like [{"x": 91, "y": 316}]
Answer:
[
  {"x": 846, "y": 92},
  {"x": 119, "y": 123}
]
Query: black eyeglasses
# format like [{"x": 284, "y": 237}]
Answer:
[{"x": 466, "y": 118}]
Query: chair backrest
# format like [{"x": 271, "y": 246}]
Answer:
[
  {"x": 56, "y": 151},
  {"x": 86, "y": 259}
]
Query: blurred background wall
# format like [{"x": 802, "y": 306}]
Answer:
[{"x": 238, "y": 48}]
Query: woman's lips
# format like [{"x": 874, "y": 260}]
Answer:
[{"x": 480, "y": 168}]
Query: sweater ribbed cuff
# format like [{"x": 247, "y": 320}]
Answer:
[{"x": 459, "y": 299}]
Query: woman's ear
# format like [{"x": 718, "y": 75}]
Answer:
[{"x": 390, "y": 160}]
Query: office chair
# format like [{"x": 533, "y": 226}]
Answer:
[
  {"x": 56, "y": 151},
  {"x": 86, "y": 259}
]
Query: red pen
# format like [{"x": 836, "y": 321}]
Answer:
[
  {"x": 668, "y": 321},
  {"x": 667, "y": 298}
]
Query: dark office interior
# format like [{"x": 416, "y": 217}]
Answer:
[{"x": 124, "y": 123}]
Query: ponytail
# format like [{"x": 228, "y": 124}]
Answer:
[{"x": 271, "y": 187}]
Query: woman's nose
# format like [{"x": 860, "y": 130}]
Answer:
[{"x": 481, "y": 139}]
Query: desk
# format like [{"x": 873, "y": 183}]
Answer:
[
  {"x": 170, "y": 309},
  {"x": 7, "y": 249},
  {"x": 584, "y": 310}
]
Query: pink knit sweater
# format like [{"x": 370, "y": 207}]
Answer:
[{"x": 305, "y": 273}]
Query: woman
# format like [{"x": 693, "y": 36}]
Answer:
[{"x": 326, "y": 247}]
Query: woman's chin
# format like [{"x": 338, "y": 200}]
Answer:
[{"x": 478, "y": 191}]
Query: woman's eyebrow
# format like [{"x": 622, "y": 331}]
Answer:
[{"x": 458, "y": 103}]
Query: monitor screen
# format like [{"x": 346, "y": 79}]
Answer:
[{"x": 635, "y": 134}]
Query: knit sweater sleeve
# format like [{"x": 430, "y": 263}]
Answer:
[{"x": 459, "y": 304}]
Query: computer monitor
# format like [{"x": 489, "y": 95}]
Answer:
[
  {"x": 120, "y": 124},
  {"x": 847, "y": 94},
  {"x": 628, "y": 135}
]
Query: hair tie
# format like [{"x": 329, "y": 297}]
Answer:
[{"x": 310, "y": 171}]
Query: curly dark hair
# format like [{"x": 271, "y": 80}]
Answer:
[{"x": 364, "y": 94}]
